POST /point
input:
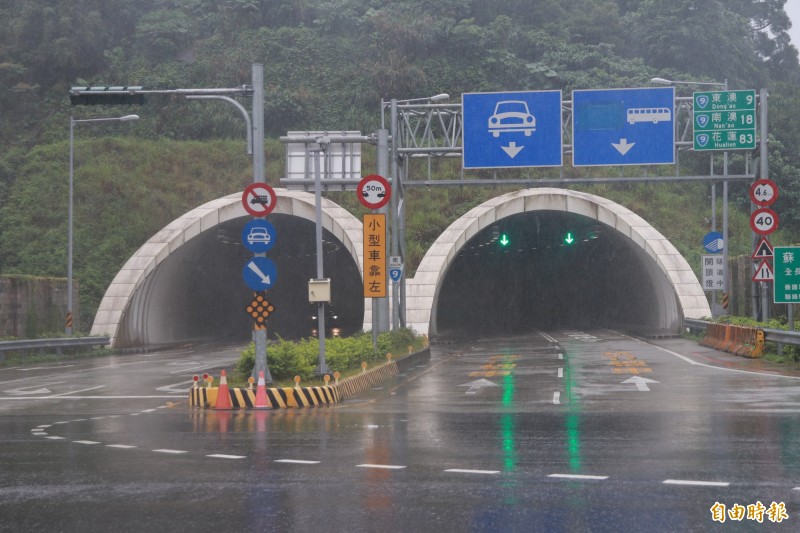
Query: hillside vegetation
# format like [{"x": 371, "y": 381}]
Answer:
[{"x": 327, "y": 65}]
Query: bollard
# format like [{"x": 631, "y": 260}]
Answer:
[
  {"x": 326, "y": 378},
  {"x": 250, "y": 382},
  {"x": 195, "y": 378},
  {"x": 297, "y": 380},
  {"x": 336, "y": 377},
  {"x": 363, "y": 367}
]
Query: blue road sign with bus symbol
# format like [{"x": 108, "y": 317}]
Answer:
[
  {"x": 516, "y": 129},
  {"x": 258, "y": 236},
  {"x": 623, "y": 127}
]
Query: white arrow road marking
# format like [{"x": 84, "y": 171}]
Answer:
[
  {"x": 31, "y": 390},
  {"x": 171, "y": 388},
  {"x": 264, "y": 278},
  {"x": 512, "y": 149},
  {"x": 640, "y": 382},
  {"x": 623, "y": 147},
  {"x": 477, "y": 385}
]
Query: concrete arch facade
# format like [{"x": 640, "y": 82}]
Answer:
[
  {"x": 126, "y": 312},
  {"x": 678, "y": 290}
]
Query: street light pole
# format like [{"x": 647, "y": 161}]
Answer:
[
  {"x": 725, "y": 269},
  {"x": 72, "y": 122}
]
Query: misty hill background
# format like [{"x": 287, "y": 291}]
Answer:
[{"x": 327, "y": 64}]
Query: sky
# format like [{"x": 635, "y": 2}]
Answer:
[{"x": 793, "y": 10}]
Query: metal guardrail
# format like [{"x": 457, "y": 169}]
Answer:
[
  {"x": 770, "y": 335},
  {"x": 57, "y": 344}
]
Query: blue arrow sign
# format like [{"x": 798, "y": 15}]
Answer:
[
  {"x": 623, "y": 127},
  {"x": 258, "y": 236},
  {"x": 260, "y": 273},
  {"x": 515, "y": 129}
]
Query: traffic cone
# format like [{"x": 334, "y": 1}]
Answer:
[
  {"x": 262, "y": 402},
  {"x": 223, "y": 395}
]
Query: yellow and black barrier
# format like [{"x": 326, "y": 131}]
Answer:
[
  {"x": 355, "y": 385},
  {"x": 744, "y": 341},
  {"x": 281, "y": 398}
]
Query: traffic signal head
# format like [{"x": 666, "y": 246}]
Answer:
[{"x": 106, "y": 96}]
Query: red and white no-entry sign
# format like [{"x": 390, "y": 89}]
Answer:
[
  {"x": 373, "y": 191},
  {"x": 259, "y": 199}
]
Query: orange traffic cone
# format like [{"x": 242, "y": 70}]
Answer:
[
  {"x": 223, "y": 395},
  {"x": 262, "y": 402}
]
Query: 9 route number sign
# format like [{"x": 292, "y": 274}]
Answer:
[{"x": 764, "y": 221}]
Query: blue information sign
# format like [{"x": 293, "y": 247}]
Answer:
[
  {"x": 515, "y": 129},
  {"x": 623, "y": 127},
  {"x": 713, "y": 243},
  {"x": 258, "y": 236},
  {"x": 260, "y": 273}
]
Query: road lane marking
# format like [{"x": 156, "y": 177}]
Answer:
[
  {"x": 695, "y": 483},
  {"x": 43, "y": 368},
  {"x": 383, "y": 467},
  {"x": 75, "y": 392},
  {"x": 466, "y": 471},
  {"x": 297, "y": 461},
  {"x": 121, "y": 446},
  {"x": 54, "y": 437},
  {"x": 578, "y": 476},
  {"x": 62, "y": 397},
  {"x": 165, "y": 450},
  {"x": 225, "y": 456},
  {"x": 561, "y": 372},
  {"x": 86, "y": 442},
  {"x": 557, "y": 397}
]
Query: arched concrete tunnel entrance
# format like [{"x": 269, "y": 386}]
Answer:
[
  {"x": 185, "y": 283},
  {"x": 619, "y": 271}
]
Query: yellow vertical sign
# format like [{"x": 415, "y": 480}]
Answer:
[{"x": 375, "y": 271}]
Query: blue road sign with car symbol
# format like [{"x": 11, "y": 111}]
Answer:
[
  {"x": 258, "y": 236},
  {"x": 623, "y": 127},
  {"x": 515, "y": 129}
]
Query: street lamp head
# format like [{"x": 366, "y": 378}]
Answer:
[
  {"x": 126, "y": 118},
  {"x": 660, "y": 81},
  {"x": 440, "y": 97}
]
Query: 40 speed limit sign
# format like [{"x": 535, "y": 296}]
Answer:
[{"x": 764, "y": 221}]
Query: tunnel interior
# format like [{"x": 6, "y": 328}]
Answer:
[
  {"x": 198, "y": 292},
  {"x": 550, "y": 270}
]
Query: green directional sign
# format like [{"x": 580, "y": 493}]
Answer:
[
  {"x": 787, "y": 274},
  {"x": 724, "y": 120}
]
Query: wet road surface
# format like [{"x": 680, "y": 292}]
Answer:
[{"x": 555, "y": 431}]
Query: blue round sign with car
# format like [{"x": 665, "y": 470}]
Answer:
[{"x": 258, "y": 236}]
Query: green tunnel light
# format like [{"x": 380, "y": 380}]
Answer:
[
  {"x": 569, "y": 238},
  {"x": 504, "y": 240}
]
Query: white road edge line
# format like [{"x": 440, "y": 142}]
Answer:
[
  {"x": 578, "y": 476},
  {"x": 225, "y": 456},
  {"x": 695, "y": 483},
  {"x": 54, "y": 437},
  {"x": 121, "y": 446},
  {"x": 384, "y": 467},
  {"x": 86, "y": 442},
  {"x": 297, "y": 461},
  {"x": 466, "y": 471}
]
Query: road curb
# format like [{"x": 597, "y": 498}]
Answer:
[{"x": 296, "y": 397}]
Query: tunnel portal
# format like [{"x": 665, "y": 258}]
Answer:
[{"x": 545, "y": 270}]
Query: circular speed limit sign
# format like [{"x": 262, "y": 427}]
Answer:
[
  {"x": 764, "y": 221},
  {"x": 763, "y": 192},
  {"x": 373, "y": 191}
]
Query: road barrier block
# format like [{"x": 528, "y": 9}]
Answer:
[{"x": 745, "y": 341}]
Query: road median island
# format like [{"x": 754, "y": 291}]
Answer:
[{"x": 296, "y": 397}]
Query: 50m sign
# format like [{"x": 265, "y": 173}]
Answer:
[{"x": 764, "y": 221}]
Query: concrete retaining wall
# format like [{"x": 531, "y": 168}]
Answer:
[{"x": 32, "y": 306}]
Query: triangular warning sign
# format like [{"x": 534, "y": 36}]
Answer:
[
  {"x": 764, "y": 272},
  {"x": 763, "y": 250}
]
